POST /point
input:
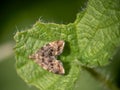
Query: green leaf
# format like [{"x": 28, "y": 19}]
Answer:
[{"x": 91, "y": 40}]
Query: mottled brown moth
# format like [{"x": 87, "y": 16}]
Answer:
[{"x": 46, "y": 57}]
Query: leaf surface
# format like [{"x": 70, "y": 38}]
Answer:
[{"x": 91, "y": 40}]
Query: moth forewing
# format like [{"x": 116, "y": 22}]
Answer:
[{"x": 58, "y": 46}]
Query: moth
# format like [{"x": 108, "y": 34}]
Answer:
[{"x": 46, "y": 56}]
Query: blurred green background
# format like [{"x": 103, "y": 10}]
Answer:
[
  {"x": 20, "y": 14},
  {"x": 17, "y": 15}
]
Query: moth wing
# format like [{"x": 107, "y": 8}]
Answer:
[
  {"x": 58, "y": 46},
  {"x": 57, "y": 67}
]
